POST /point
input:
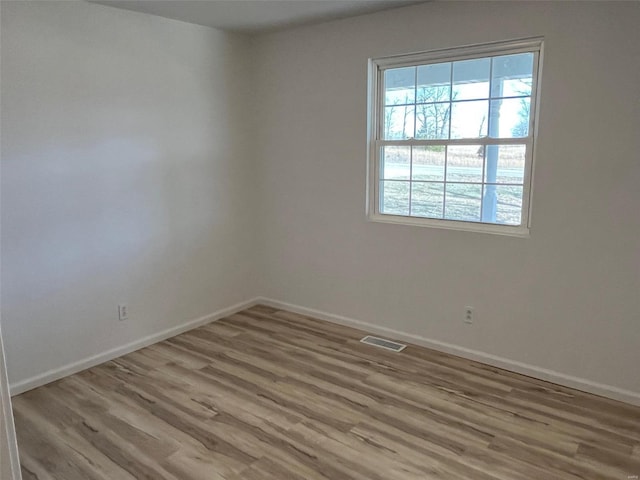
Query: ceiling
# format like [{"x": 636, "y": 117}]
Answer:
[{"x": 255, "y": 16}]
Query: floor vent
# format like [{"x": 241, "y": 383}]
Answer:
[{"x": 383, "y": 343}]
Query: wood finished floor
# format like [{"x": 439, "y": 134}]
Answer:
[{"x": 270, "y": 395}]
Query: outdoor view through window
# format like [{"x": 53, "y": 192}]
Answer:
[{"x": 453, "y": 138}]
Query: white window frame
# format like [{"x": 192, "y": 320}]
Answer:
[{"x": 377, "y": 66}]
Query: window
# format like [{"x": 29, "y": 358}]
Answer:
[{"x": 452, "y": 135}]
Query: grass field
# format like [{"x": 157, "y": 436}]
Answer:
[
  {"x": 452, "y": 183},
  {"x": 451, "y": 202}
]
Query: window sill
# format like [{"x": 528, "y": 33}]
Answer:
[{"x": 521, "y": 231}]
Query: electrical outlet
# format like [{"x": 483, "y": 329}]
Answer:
[
  {"x": 468, "y": 315},
  {"x": 123, "y": 312}
]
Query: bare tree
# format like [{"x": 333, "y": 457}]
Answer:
[
  {"x": 521, "y": 129},
  {"x": 433, "y": 112},
  {"x": 389, "y": 114}
]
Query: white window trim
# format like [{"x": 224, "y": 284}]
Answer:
[{"x": 375, "y": 101}]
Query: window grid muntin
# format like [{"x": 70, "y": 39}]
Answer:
[
  {"x": 482, "y": 184},
  {"x": 503, "y": 97},
  {"x": 452, "y": 183},
  {"x": 489, "y": 98}
]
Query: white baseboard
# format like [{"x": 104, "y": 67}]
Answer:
[
  {"x": 483, "y": 357},
  {"x": 559, "y": 378},
  {"x": 60, "y": 372}
]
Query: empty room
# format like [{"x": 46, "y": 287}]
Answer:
[{"x": 319, "y": 240}]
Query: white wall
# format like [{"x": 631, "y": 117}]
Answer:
[
  {"x": 182, "y": 170},
  {"x": 126, "y": 177},
  {"x": 567, "y": 299}
]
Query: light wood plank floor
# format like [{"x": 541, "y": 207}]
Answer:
[{"x": 270, "y": 395}]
